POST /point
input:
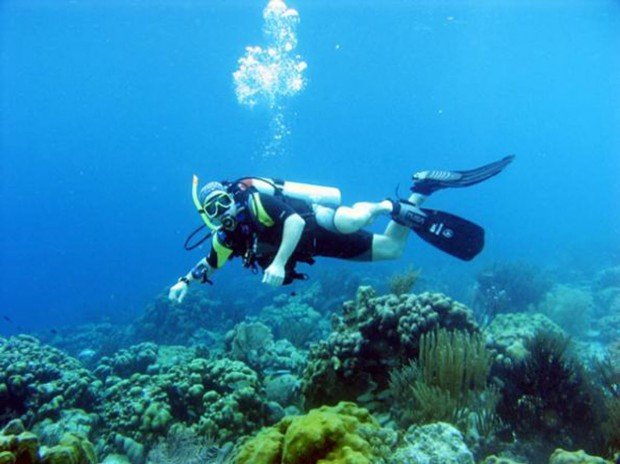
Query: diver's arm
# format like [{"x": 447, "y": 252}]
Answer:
[
  {"x": 201, "y": 272},
  {"x": 291, "y": 234}
]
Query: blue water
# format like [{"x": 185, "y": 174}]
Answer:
[{"x": 108, "y": 107}]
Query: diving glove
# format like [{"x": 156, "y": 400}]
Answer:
[{"x": 178, "y": 291}]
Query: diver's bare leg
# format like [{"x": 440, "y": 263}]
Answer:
[
  {"x": 391, "y": 244},
  {"x": 351, "y": 219}
]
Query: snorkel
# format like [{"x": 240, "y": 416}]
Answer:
[{"x": 199, "y": 207}]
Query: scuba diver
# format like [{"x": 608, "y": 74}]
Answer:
[{"x": 275, "y": 224}]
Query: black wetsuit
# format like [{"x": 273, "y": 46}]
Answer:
[{"x": 258, "y": 234}]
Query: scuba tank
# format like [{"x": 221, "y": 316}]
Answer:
[{"x": 309, "y": 193}]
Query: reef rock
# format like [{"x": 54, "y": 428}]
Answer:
[
  {"x": 575, "y": 457},
  {"x": 126, "y": 362},
  {"x": 371, "y": 336},
  {"x": 17, "y": 446},
  {"x": 439, "y": 442},
  {"x": 171, "y": 323},
  {"x": 509, "y": 334},
  {"x": 500, "y": 460},
  {"x": 294, "y": 321}
]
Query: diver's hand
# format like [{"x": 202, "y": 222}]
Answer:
[
  {"x": 178, "y": 291},
  {"x": 274, "y": 274}
]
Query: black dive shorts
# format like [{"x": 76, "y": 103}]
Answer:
[{"x": 356, "y": 246}]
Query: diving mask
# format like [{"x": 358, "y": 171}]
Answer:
[
  {"x": 217, "y": 203},
  {"x": 218, "y": 208}
]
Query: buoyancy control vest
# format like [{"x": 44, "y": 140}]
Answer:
[{"x": 300, "y": 197}]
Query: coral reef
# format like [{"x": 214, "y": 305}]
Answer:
[
  {"x": 252, "y": 343},
  {"x": 71, "y": 449},
  {"x": 134, "y": 360},
  {"x": 611, "y": 425},
  {"x": 606, "y": 288},
  {"x": 417, "y": 361},
  {"x": 607, "y": 278},
  {"x": 73, "y": 421},
  {"x": 547, "y": 397},
  {"x": 220, "y": 398},
  {"x": 373, "y": 336},
  {"x": 139, "y": 397},
  {"x": 560, "y": 456},
  {"x": 500, "y": 460},
  {"x": 183, "y": 446},
  {"x": 330, "y": 435},
  {"x": 17, "y": 446},
  {"x": 509, "y": 334},
  {"x": 89, "y": 342},
  {"x": 38, "y": 381},
  {"x": 450, "y": 383},
  {"x": 569, "y": 307},
  {"x": 508, "y": 287},
  {"x": 249, "y": 341},
  {"x": 166, "y": 322},
  {"x": 331, "y": 290},
  {"x": 294, "y": 321},
  {"x": 439, "y": 442},
  {"x": 403, "y": 282}
]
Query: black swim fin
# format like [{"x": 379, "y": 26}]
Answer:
[
  {"x": 452, "y": 234},
  {"x": 427, "y": 182}
]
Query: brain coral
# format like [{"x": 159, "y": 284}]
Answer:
[
  {"x": 329, "y": 435},
  {"x": 373, "y": 335}
]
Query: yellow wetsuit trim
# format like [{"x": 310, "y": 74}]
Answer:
[
  {"x": 259, "y": 212},
  {"x": 221, "y": 251}
]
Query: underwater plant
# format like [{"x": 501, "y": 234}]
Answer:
[
  {"x": 547, "y": 397},
  {"x": 402, "y": 282},
  {"x": 183, "y": 446},
  {"x": 607, "y": 376},
  {"x": 611, "y": 426},
  {"x": 448, "y": 382}
]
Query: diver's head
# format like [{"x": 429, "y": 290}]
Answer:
[{"x": 217, "y": 206}]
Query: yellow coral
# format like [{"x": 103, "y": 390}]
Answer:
[
  {"x": 6, "y": 457},
  {"x": 327, "y": 435},
  {"x": 72, "y": 449},
  {"x": 21, "y": 448},
  {"x": 575, "y": 457}
]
